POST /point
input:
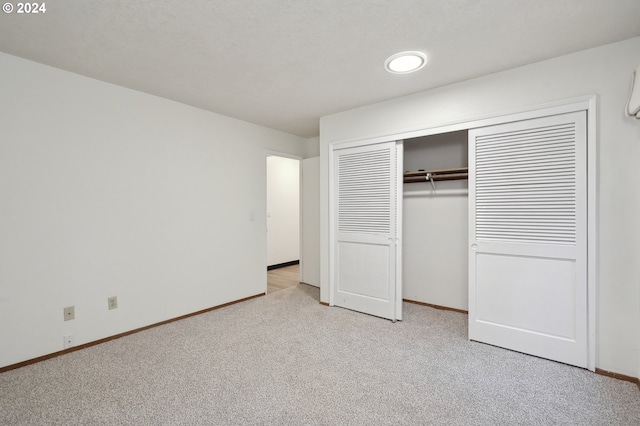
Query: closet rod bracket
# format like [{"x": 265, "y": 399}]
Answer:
[{"x": 429, "y": 177}]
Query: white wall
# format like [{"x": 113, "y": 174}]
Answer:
[
  {"x": 436, "y": 223},
  {"x": 313, "y": 147},
  {"x": 310, "y": 256},
  {"x": 283, "y": 210},
  {"x": 107, "y": 191},
  {"x": 605, "y": 71}
]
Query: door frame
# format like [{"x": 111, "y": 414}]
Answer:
[
  {"x": 269, "y": 153},
  {"x": 584, "y": 103}
]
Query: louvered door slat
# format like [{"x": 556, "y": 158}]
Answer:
[
  {"x": 538, "y": 171},
  {"x": 363, "y": 192}
]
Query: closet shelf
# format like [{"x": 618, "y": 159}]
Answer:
[{"x": 436, "y": 175}]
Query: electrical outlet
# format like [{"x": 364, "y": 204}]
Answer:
[
  {"x": 69, "y": 340},
  {"x": 112, "y": 302},
  {"x": 69, "y": 313}
]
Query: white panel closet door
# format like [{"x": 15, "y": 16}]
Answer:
[
  {"x": 366, "y": 249},
  {"x": 528, "y": 237}
]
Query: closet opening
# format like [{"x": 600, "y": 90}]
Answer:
[{"x": 436, "y": 221}]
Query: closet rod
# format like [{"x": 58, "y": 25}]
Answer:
[{"x": 436, "y": 175}]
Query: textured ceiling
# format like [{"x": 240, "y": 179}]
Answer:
[{"x": 285, "y": 63}]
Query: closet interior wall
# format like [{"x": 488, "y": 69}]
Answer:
[{"x": 435, "y": 249}]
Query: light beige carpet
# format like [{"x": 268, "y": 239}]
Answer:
[{"x": 284, "y": 359}]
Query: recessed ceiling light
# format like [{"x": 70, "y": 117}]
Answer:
[{"x": 405, "y": 62}]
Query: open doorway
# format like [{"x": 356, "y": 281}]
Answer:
[{"x": 283, "y": 222}]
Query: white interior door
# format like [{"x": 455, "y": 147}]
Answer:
[
  {"x": 528, "y": 237},
  {"x": 310, "y": 221},
  {"x": 366, "y": 229}
]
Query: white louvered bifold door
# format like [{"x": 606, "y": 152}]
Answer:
[
  {"x": 366, "y": 228},
  {"x": 528, "y": 237}
]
